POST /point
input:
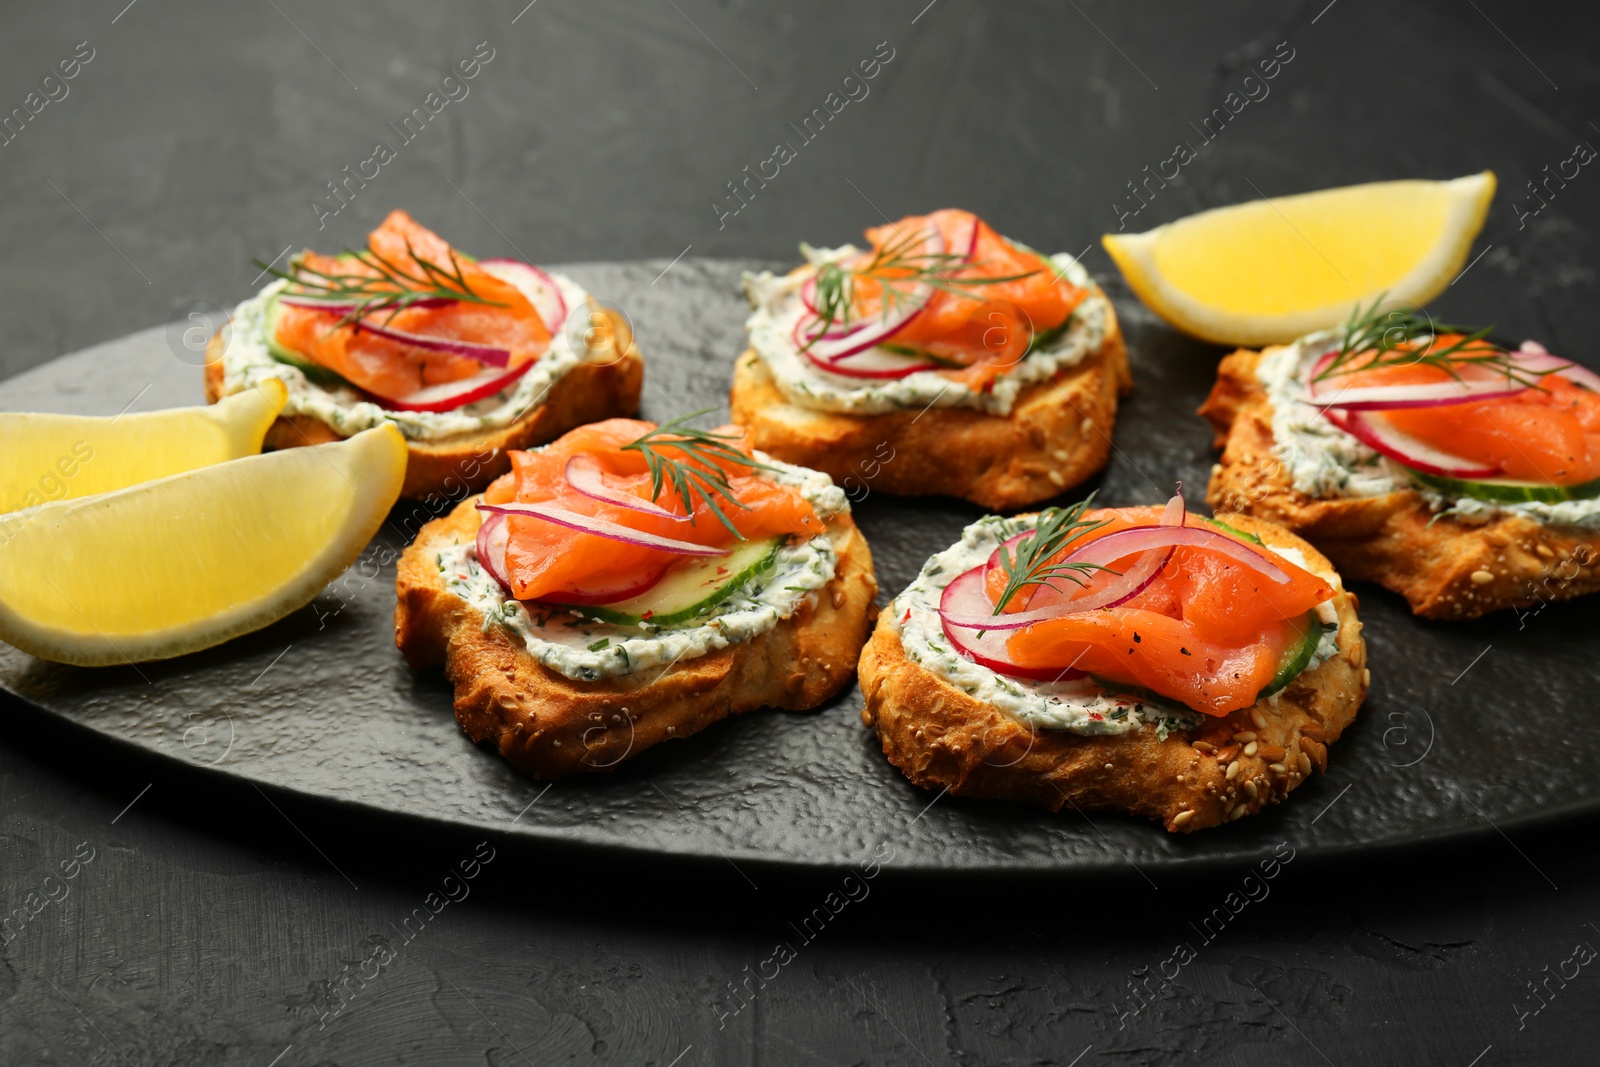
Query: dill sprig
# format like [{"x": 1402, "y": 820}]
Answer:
[
  {"x": 896, "y": 267},
  {"x": 1401, "y": 338},
  {"x": 385, "y": 286},
  {"x": 693, "y": 472},
  {"x": 1036, "y": 562}
]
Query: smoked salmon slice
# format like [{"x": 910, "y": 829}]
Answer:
[
  {"x": 543, "y": 558},
  {"x": 500, "y": 315}
]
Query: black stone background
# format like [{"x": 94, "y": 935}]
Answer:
[{"x": 211, "y": 921}]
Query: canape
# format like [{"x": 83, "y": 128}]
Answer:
[
  {"x": 1141, "y": 659},
  {"x": 944, "y": 358},
  {"x": 629, "y": 584},
  {"x": 1462, "y": 475},
  {"x": 468, "y": 358}
]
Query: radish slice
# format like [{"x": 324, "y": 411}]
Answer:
[
  {"x": 872, "y": 363},
  {"x": 1534, "y": 358},
  {"x": 452, "y": 395},
  {"x": 966, "y": 596},
  {"x": 489, "y": 355},
  {"x": 1107, "y": 550},
  {"x": 1378, "y": 434},
  {"x": 1436, "y": 394},
  {"x": 492, "y": 549},
  {"x": 828, "y": 344},
  {"x": 1118, "y": 590},
  {"x": 540, "y": 289},
  {"x": 603, "y": 589},
  {"x": 585, "y": 475},
  {"x": 607, "y": 589},
  {"x": 599, "y": 527}
]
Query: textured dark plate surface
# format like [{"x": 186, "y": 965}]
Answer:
[{"x": 322, "y": 704}]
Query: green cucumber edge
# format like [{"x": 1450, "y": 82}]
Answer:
[
  {"x": 1507, "y": 492},
  {"x": 1293, "y": 665},
  {"x": 1219, "y": 524},
  {"x": 600, "y": 613},
  {"x": 314, "y": 372}
]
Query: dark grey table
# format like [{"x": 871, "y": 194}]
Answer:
[{"x": 208, "y": 925}]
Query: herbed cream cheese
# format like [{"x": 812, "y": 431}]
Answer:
[
  {"x": 776, "y": 310},
  {"x": 1323, "y": 461},
  {"x": 246, "y": 362},
  {"x": 588, "y": 650}
]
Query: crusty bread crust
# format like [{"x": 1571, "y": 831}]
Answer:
[
  {"x": 548, "y": 725},
  {"x": 1057, "y": 435},
  {"x": 600, "y": 387},
  {"x": 943, "y": 738},
  {"x": 1444, "y": 568}
]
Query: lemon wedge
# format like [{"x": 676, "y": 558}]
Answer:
[
  {"x": 188, "y": 561},
  {"x": 1269, "y": 271},
  {"x": 64, "y": 457}
]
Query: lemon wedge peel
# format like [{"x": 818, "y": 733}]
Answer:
[
  {"x": 68, "y": 457},
  {"x": 186, "y": 562},
  {"x": 1298, "y": 287}
]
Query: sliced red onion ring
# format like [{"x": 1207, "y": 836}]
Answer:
[
  {"x": 831, "y": 345},
  {"x": 489, "y": 355},
  {"x": 340, "y": 307},
  {"x": 585, "y": 475},
  {"x": 1378, "y": 434},
  {"x": 599, "y": 527},
  {"x": 492, "y": 548},
  {"x": 1534, "y": 358},
  {"x": 1118, "y": 590},
  {"x": 540, "y": 289},
  {"x": 1105, "y": 551},
  {"x": 871, "y": 363},
  {"x": 452, "y": 395},
  {"x": 607, "y": 589},
  {"x": 966, "y": 596},
  {"x": 602, "y": 589}
]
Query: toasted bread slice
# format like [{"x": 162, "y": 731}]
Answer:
[
  {"x": 549, "y": 725},
  {"x": 600, "y": 387},
  {"x": 1445, "y": 568},
  {"x": 1057, "y": 434},
  {"x": 943, "y": 738}
]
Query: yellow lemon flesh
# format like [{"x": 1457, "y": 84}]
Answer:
[
  {"x": 65, "y": 457},
  {"x": 1269, "y": 271},
  {"x": 186, "y": 562}
]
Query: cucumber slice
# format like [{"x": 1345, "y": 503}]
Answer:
[
  {"x": 1508, "y": 492},
  {"x": 692, "y": 589},
  {"x": 1219, "y": 524},
  {"x": 1296, "y": 656},
  {"x": 316, "y": 372}
]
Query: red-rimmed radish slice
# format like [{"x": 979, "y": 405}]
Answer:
[
  {"x": 488, "y": 355},
  {"x": 491, "y": 547},
  {"x": 585, "y": 474},
  {"x": 599, "y": 527},
  {"x": 1376, "y": 432},
  {"x": 1107, "y": 550},
  {"x": 452, "y": 395},
  {"x": 966, "y": 595},
  {"x": 540, "y": 289},
  {"x": 1432, "y": 395},
  {"x": 1102, "y": 590},
  {"x": 829, "y": 344},
  {"x": 607, "y": 589},
  {"x": 872, "y": 363},
  {"x": 1534, "y": 358}
]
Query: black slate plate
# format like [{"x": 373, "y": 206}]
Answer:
[{"x": 321, "y": 704}]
